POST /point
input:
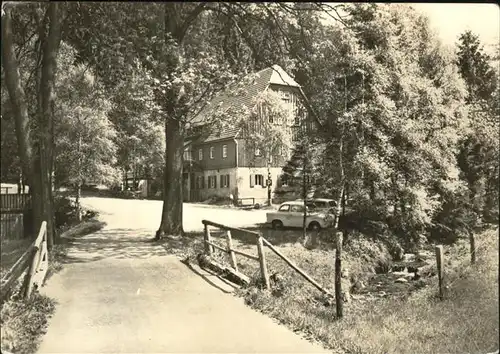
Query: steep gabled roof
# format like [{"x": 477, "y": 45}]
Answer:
[
  {"x": 243, "y": 94},
  {"x": 240, "y": 97}
]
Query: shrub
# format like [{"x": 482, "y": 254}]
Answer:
[
  {"x": 24, "y": 321},
  {"x": 64, "y": 210}
]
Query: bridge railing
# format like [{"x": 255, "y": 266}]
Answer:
[
  {"x": 36, "y": 260},
  {"x": 260, "y": 242}
]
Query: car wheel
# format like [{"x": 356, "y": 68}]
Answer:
[
  {"x": 314, "y": 226},
  {"x": 277, "y": 224}
]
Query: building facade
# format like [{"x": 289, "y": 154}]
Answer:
[{"x": 223, "y": 163}]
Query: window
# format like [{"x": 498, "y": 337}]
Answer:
[
  {"x": 212, "y": 150},
  {"x": 224, "y": 151},
  {"x": 224, "y": 181},
  {"x": 257, "y": 151},
  {"x": 286, "y": 97},
  {"x": 295, "y": 135},
  {"x": 297, "y": 120},
  {"x": 188, "y": 154},
  {"x": 284, "y": 207},
  {"x": 200, "y": 154},
  {"x": 256, "y": 180},
  {"x": 212, "y": 181},
  {"x": 297, "y": 209}
]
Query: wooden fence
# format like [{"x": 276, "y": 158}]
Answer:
[
  {"x": 260, "y": 242},
  {"x": 36, "y": 260},
  {"x": 11, "y": 226},
  {"x": 14, "y": 202}
]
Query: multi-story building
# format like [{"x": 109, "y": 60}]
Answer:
[{"x": 220, "y": 160}]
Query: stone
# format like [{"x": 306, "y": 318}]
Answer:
[
  {"x": 399, "y": 274},
  {"x": 401, "y": 280},
  {"x": 425, "y": 255},
  {"x": 409, "y": 257},
  {"x": 405, "y": 275}
]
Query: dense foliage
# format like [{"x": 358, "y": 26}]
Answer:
[{"x": 407, "y": 128}]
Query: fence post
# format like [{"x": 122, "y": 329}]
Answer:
[
  {"x": 262, "y": 261},
  {"x": 472, "y": 241},
  {"x": 439, "y": 263},
  {"x": 31, "y": 272},
  {"x": 339, "y": 301},
  {"x": 206, "y": 236},
  {"x": 232, "y": 256}
]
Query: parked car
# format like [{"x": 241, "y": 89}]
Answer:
[
  {"x": 291, "y": 214},
  {"x": 321, "y": 204}
]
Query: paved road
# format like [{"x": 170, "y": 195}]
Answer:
[
  {"x": 119, "y": 293},
  {"x": 147, "y": 213}
]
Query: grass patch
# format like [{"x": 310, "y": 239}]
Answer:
[
  {"x": 465, "y": 322},
  {"x": 23, "y": 322},
  {"x": 83, "y": 228}
]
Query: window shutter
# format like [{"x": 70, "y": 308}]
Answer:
[
  {"x": 215, "y": 181},
  {"x": 252, "y": 180},
  {"x": 227, "y": 181},
  {"x": 202, "y": 182}
]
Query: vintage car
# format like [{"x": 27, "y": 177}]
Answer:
[
  {"x": 321, "y": 204},
  {"x": 291, "y": 214}
]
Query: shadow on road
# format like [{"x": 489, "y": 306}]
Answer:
[
  {"x": 127, "y": 244},
  {"x": 207, "y": 277},
  {"x": 112, "y": 243}
]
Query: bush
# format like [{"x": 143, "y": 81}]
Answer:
[
  {"x": 64, "y": 210},
  {"x": 367, "y": 255},
  {"x": 24, "y": 322}
]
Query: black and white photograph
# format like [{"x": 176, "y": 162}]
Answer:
[{"x": 249, "y": 177}]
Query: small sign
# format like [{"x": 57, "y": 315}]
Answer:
[{"x": 269, "y": 182}]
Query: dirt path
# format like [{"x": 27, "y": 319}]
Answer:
[{"x": 119, "y": 293}]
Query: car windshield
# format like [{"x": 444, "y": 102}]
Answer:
[{"x": 285, "y": 207}]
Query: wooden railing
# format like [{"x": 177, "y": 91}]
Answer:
[
  {"x": 261, "y": 258},
  {"x": 36, "y": 260}
]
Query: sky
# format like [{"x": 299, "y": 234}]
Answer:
[{"x": 452, "y": 19}]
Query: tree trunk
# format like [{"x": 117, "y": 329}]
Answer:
[
  {"x": 17, "y": 98},
  {"x": 30, "y": 162},
  {"x": 342, "y": 180},
  {"x": 173, "y": 184},
  {"x": 77, "y": 201},
  {"x": 46, "y": 116},
  {"x": 79, "y": 181},
  {"x": 304, "y": 197},
  {"x": 171, "y": 217}
]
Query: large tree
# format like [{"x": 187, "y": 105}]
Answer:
[
  {"x": 35, "y": 146},
  {"x": 191, "y": 50},
  {"x": 479, "y": 152},
  {"x": 388, "y": 93}
]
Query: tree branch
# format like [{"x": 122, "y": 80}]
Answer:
[{"x": 190, "y": 18}]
